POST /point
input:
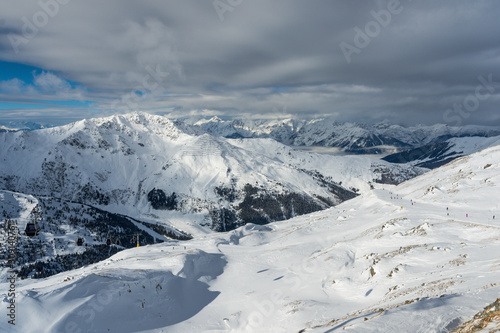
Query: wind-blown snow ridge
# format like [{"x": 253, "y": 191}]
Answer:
[{"x": 418, "y": 257}]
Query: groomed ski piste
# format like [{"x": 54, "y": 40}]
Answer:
[{"x": 423, "y": 256}]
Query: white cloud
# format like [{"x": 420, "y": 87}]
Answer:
[
  {"x": 12, "y": 86},
  {"x": 47, "y": 81},
  {"x": 46, "y": 87}
]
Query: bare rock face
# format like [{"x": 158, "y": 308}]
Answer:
[{"x": 487, "y": 320}]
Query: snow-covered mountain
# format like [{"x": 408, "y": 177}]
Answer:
[
  {"x": 418, "y": 257},
  {"x": 436, "y": 154},
  {"x": 353, "y": 137},
  {"x": 14, "y": 126},
  {"x": 282, "y": 130},
  {"x": 147, "y": 166}
]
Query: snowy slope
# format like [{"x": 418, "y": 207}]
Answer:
[
  {"x": 17, "y": 206},
  {"x": 354, "y": 171},
  {"x": 148, "y": 166},
  {"x": 61, "y": 224},
  {"x": 437, "y": 154},
  {"x": 418, "y": 257}
]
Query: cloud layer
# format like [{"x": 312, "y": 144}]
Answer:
[{"x": 403, "y": 61}]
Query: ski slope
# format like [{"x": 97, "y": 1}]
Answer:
[{"x": 422, "y": 256}]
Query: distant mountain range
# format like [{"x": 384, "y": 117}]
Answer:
[
  {"x": 420, "y": 145},
  {"x": 14, "y": 126},
  {"x": 352, "y": 137}
]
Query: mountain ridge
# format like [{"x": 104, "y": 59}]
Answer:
[
  {"x": 116, "y": 162},
  {"x": 353, "y": 137}
]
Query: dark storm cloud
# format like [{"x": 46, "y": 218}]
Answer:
[{"x": 413, "y": 61}]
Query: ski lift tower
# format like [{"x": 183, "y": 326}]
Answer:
[{"x": 136, "y": 237}]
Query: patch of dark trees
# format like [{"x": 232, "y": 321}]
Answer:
[
  {"x": 260, "y": 206},
  {"x": 62, "y": 263},
  {"x": 159, "y": 200}
]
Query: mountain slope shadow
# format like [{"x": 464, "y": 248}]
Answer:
[{"x": 150, "y": 299}]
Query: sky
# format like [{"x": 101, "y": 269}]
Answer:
[{"x": 405, "y": 62}]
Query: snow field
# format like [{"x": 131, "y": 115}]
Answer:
[{"x": 376, "y": 263}]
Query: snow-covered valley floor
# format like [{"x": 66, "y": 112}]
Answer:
[{"x": 423, "y": 256}]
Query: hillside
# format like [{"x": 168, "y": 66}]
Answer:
[
  {"x": 436, "y": 154},
  {"x": 420, "y": 256},
  {"x": 152, "y": 168}
]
